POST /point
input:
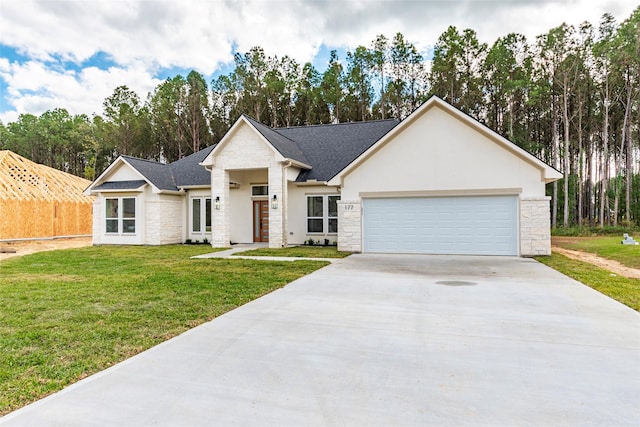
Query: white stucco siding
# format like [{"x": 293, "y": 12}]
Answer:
[
  {"x": 439, "y": 152},
  {"x": 124, "y": 173},
  {"x": 297, "y": 213}
]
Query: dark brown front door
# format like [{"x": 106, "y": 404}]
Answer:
[{"x": 260, "y": 220}]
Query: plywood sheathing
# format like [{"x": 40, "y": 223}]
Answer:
[{"x": 37, "y": 201}]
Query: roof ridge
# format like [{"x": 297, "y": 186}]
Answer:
[
  {"x": 272, "y": 129},
  {"x": 143, "y": 160},
  {"x": 335, "y": 124},
  {"x": 253, "y": 122}
]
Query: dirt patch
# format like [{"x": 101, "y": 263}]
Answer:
[
  {"x": 25, "y": 247},
  {"x": 607, "y": 264}
]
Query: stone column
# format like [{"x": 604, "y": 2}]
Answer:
[
  {"x": 220, "y": 218},
  {"x": 349, "y": 226},
  {"x": 277, "y": 216},
  {"x": 535, "y": 226}
]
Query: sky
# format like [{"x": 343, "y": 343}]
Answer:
[{"x": 72, "y": 54}]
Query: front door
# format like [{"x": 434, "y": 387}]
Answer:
[{"x": 260, "y": 220}]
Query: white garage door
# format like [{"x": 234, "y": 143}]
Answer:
[{"x": 482, "y": 225}]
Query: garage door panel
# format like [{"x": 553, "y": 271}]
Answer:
[{"x": 485, "y": 225}]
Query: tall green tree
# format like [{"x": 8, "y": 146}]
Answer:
[
  {"x": 332, "y": 87},
  {"x": 406, "y": 77},
  {"x": 309, "y": 106},
  {"x": 196, "y": 113},
  {"x": 167, "y": 106},
  {"x": 358, "y": 82},
  {"x": 379, "y": 58},
  {"x": 456, "y": 70},
  {"x": 127, "y": 124}
]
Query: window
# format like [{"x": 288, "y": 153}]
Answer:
[
  {"x": 332, "y": 217},
  {"x": 196, "y": 216},
  {"x": 322, "y": 214},
  {"x": 315, "y": 213},
  {"x": 260, "y": 190},
  {"x": 201, "y": 214},
  {"x": 112, "y": 215},
  {"x": 207, "y": 215},
  {"x": 120, "y": 215}
]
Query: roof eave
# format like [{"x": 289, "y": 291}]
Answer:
[
  {"x": 193, "y": 187},
  {"x": 171, "y": 192},
  {"x": 297, "y": 163},
  {"x": 120, "y": 190},
  {"x": 310, "y": 183}
]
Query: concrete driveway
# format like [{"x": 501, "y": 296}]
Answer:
[{"x": 383, "y": 340}]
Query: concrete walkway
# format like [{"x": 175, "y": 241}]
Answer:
[
  {"x": 231, "y": 253},
  {"x": 375, "y": 340}
]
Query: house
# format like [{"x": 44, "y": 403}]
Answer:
[
  {"x": 437, "y": 182},
  {"x": 39, "y": 202}
]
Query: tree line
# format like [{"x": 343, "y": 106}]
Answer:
[{"x": 571, "y": 97}]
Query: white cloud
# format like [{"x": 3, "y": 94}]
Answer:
[
  {"x": 36, "y": 88},
  {"x": 142, "y": 37}
]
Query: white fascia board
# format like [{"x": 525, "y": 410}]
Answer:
[
  {"x": 194, "y": 187},
  {"x": 172, "y": 192},
  {"x": 296, "y": 163}
]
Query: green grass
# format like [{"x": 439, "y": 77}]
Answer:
[
  {"x": 67, "y": 314},
  {"x": 606, "y": 247},
  {"x": 298, "y": 252},
  {"x": 622, "y": 289}
]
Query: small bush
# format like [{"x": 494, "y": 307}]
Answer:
[{"x": 585, "y": 231}]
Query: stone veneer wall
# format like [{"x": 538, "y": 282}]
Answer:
[
  {"x": 277, "y": 218},
  {"x": 349, "y": 226},
  {"x": 220, "y": 218},
  {"x": 535, "y": 226}
]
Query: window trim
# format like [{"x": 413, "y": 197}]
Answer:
[
  {"x": 204, "y": 202},
  {"x": 259, "y": 186},
  {"x": 121, "y": 217},
  {"x": 325, "y": 215}
]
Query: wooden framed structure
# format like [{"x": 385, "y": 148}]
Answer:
[{"x": 37, "y": 201}]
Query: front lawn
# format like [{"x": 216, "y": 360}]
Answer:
[
  {"x": 606, "y": 247},
  {"x": 67, "y": 314},
  {"x": 622, "y": 289},
  {"x": 297, "y": 252}
]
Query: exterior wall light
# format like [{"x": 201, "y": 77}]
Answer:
[
  {"x": 274, "y": 202},
  {"x": 217, "y": 204}
]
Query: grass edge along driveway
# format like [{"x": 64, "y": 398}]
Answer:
[
  {"x": 67, "y": 314},
  {"x": 622, "y": 289}
]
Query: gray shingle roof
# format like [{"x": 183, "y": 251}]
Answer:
[
  {"x": 285, "y": 146},
  {"x": 331, "y": 148},
  {"x": 121, "y": 185},
  {"x": 326, "y": 148},
  {"x": 181, "y": 173},
  {"x": 156, "y": 173},
  {"x": 187, "y": 171}
]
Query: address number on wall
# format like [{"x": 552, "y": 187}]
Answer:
[{"x": 349, "y": 207}]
